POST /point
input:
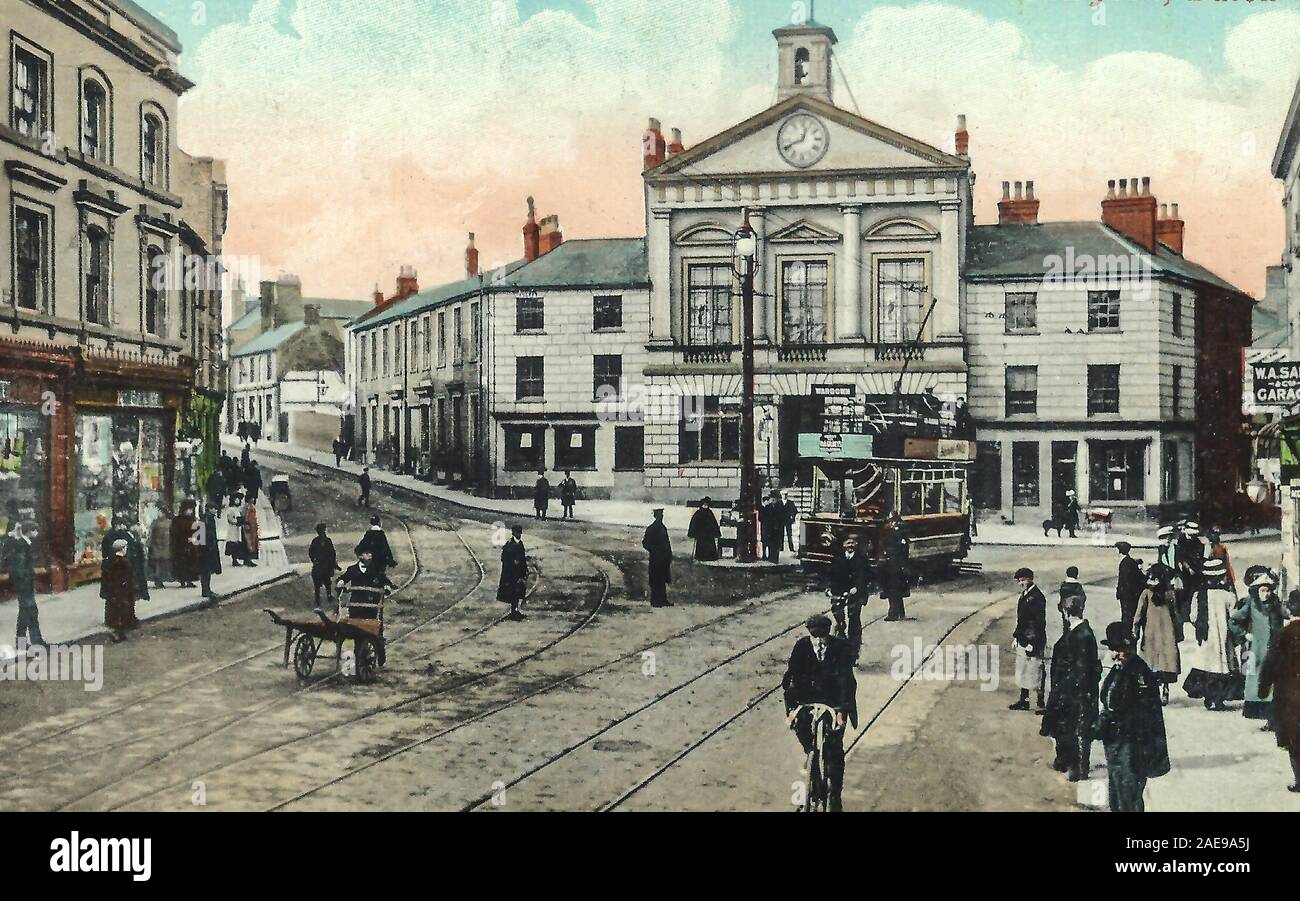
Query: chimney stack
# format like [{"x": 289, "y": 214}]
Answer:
[
  {"x": 471, "y": 258},
  {"x": 1021, "y": 209},
  {"x": 551, "y": 237},
  {"x": 311, "y": 315},
  {"x": 1132, "y": 214},
  {"x": 532, "y": 234},
  {"x": 963, "y": 138},
  {"x": 1170, "y": 228},
  {"x": 407, "y": 284},
  {"x": 654, "y": 149},
  {"x": 675, "y": 146},
  {"x": 378, "y": 296}
]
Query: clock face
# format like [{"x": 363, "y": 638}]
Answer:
[{"x": 803, "y": 140}]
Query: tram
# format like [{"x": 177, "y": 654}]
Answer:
[{"x": 891, "y": 474}]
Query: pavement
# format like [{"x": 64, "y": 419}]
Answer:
[{"x": 78, "y": 614}]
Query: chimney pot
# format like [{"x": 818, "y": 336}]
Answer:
[
  {"x": 1164, "y": 211},
  {"x": 1175, "y": 210},
  {"x": 1146, "y": 186},
  {"x": 1110, "y": 188},
  {"x": 1006, "y": 190},
  {"x": 1029, "y": 190},
  {"x": 471, "y": 257},
  {"x": 1123, "y": 187},
  {"x": 1020, "y": 192},
  {"x": 961, "y": 121},
  {"x": 962, "y": 140},
  {"x": 532, "y": 234}
]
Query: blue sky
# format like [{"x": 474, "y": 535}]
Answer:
[{"x": 1062, "y": 30}]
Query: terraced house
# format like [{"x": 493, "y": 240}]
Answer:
[{"x": 110, "y": 294}]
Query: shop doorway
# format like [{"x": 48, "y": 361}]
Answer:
[{"x": 1065, "y": 472}]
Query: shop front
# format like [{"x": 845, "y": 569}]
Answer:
[{"x": 124, "y": 461}]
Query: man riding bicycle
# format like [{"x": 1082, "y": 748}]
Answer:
[
  {"x": 821, "y": 672},
  {"x": 851, "y": 582}
]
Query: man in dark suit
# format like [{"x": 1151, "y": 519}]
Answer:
[
  {"x": 376, "y": 542},
  {"x": 771, "y": 521},
  {"x": 660, "y": 548},
  {"x": 851, "y": 580},
  {"x": 1072, "y": 705},
  {"x": 364, "y": 482},
  {"x": 1030, "y": 639},
  {"x": 1131, "y": 583},
  {"x": 1132, "y": 724},
  {"x": 821, "y": 672},
  {"x": 18, "y": 563},
  {"x": 514, "y": 573},
  {"x": 324, "y": 563}
]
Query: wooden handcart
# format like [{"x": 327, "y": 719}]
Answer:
[{"x": 360, "y": 619}]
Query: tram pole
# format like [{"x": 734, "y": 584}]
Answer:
[{"x": 747, "y": 528}]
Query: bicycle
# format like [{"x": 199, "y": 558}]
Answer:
[{"x": 818, "y": 796}]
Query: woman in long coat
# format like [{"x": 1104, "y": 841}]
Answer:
[
  {"x": 1281, "y": 677},
  {"x": 185, "y": 553},
  {"x": 249, "y": 532},
  {"x": 1159, "y": 642},
  {"x": 1259, "y": 618},
  {"x": 705, "y": 531},
  {"x": 1215, "y": 674},
  {"x": 160, "y": 548},
  {"x": 117, "y": 588}
]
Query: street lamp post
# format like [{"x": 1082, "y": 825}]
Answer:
[{"x": 746, "y": 252}]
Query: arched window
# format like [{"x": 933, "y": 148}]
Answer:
[
  {"x": 801, "y": 60},
  {"x": 97, "y": 275},
  {"x": 153, "y": 150},
  {"x": 155, "y": 291},
  {"x": 94, "y": 120}
]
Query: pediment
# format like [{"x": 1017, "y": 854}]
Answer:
[
  {"x": 853, "y": 144},
  {"x": 705, "y": 234},
  {"x": 901, "y": 229},
  {"x": 803, "y": 232}
]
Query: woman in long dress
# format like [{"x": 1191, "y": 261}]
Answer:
[
  {"x": 705, "y": 531},
  {"x": 250, "y": 534},
  {"x": 1258, "y": 619},
  {"x": 1215, "y": 674},
  {"x": 117, "y": 588},
  {"x": 160, "y": 548},
  {"x": 1158, "y": 644}
]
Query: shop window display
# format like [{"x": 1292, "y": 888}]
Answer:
[
  {"x": 119, "y": 473},
  {"x": 23, "y": 470}
]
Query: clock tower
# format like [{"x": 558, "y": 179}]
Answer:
[{"x": 805, "y": 59}]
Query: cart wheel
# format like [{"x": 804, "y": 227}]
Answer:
[
  {"x": 304, "y": 656},
  {"x": 367, "y": 660}
]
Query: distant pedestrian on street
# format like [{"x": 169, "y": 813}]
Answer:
[
  {"x": 338, "y": 453},
  {"x": 364, "y": 482},
  {"x": 246, "y": 456},
  {"x": 1154, "y": 622},
  {"x": 1190, "y": 556},
  {"x": 791, "y": 517},
  {"x": 771, "y": 520},
  {"x": 1072, "y": 705},
  {"x": 214, "y": 490},
  {"x": 893, "y": 569},
  {"x": 1130, "y": 585},
  {"x": 1132, "y": 725},
  {"x": 209, "y": 549},
  {"x": 17, "y": 561},
  {"x": 705, "y": 532},
  {"x": 1281, "y": 678},
  {"x": 185, "y": 553},
  {"x": 324, "y": 563},
  {"x": 1219, "y": 551},
  {"x": 376, "y": 542},
  {"x": 117, "y": 588},
  {"x": 541, "y": 495},
  {"x": 851, "y": 581},
  {"x": 660, "y": 547},
  {"x": 514, "y": 573},
  {"x": 1258, "y": 619},
  {"x": 1030, "y": 638},
  {"x": 250, "y": 534},
  {"x": 252, "y": 481},
  {"x": 134, "y": 551},
  {"x": 1070, "y": 513},
  {"x": 160, "y": 548},
  {"x": 232, "y": 522},
  {"x": 1214, "y": 673},
  {"x": 1071, "y": 587},
  {"x": 568, "y": 494}
]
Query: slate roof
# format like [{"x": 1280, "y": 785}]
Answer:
[
  {"x": 1007, "y": 251},
  {"x": 586, "y": 263},
  {"x": 432, "y": 297},
  {"x": 330, "y": 308},
  {"x": 269, "y": 341}
]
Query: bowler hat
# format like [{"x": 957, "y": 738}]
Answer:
[
  {"x": 1118, "y": 637},
  {"x": 1123, "y": 547}
]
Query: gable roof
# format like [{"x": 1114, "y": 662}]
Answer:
[
  {"x": 1010, "y": 251},
  {"x": 586, "y": 263},
  {"x": 269, "y": 341},
  {"x": 432, "y": 297},
  {"x": 330, "y": 308},
  {"x": 829, "y": 111}
]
